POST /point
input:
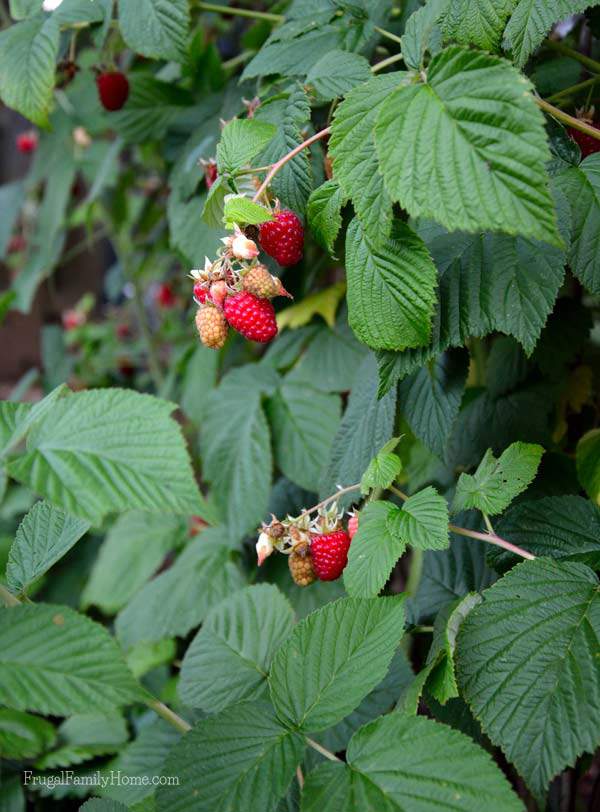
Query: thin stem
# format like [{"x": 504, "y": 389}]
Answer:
[
  {"x": 241, "y": 12},
  {"x": 300, "y": 777},
  {"x": 563, "y": 49},
  {"x": 422, "y": 630},
  {"x": 488, "y": 524},
  {"x": 329, "y": 499},
  {"x": 387, "y": 34},
  {"x": 283, "y": 161},
  {"x": 168, "y": 715},
  {"x": 322, "y": 750},
  {"x": 235, "y": 61},
  {"x": 573, "y": 90},
  {"x": 385, "y": 62},
  {"x": 570, "y": 120},
  {"x": 415, "y": 572},
  {"x": 8, "y": 598}
]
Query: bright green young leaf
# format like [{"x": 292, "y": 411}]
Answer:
[
  {"x": 178, "y": 599},
  {"x": 240, "y": 209},
  {"x": 383, "y": 469},
  {"x": 105, "y": 451},
  {"x": 324, "y": 303},
  {"x": 475, "y": 124},
  {"x": 496, "y": 482},
  {"x": 352, "y": 148},
  {"x": 43, "y": 537},
  {"x": 373, "y": 552},
  {"x": 391, "y": 288},
  {"x": 241, "y": 141},
  {"x": 399, "y": 757},
  {"x": 338, "y": 72},
  {"x": 55, "y": 661},
  {"x": 324, "y": 213},
  {"x": 588, "y": 463},
  {"x": 156, "y": 28},
  {"x": 28, "y": 52},
  {"x": 357, "y": 639},
  {"x": 241, "y": 758},
  {"x": 304, "y": 422},
  {"x": 23, "y": 735},
  {"x": 422, "y": 521},
  {"x": 230, "y": 657},
  {"x": 528, "y": 666}
]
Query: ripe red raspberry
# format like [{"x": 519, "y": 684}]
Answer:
[
  {"x": 27, "y": 142},
  {"x": 212, "y": 327},
  {"x": 252, "y": 317},
  {"x": 329, "y": 553},
  {"x": 164, "y": 296},
  {"x": 113, "y": 89},
  {"x": 283, "y": 238},
  {"x": 587, "y": 143},
  {"x": 200, "y": 292},
  {"x": 352, "y": 525}
]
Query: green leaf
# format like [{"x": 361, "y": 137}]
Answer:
[
  {"x": 122, "y": 444},
  {"x": 352, "y": 148},
  {"x": 366, "y": 426},
  {"x": 189, "y": 233},
  {"x": 373, "y": 553},
  {"x": 304, "y": 422},
  {"x": 528, "y": 666},
  {"x": 324, "y": 213},
  {"x": 230, "y": 657},
  {"x": 11, "y": 199},
  {"x": 135, "y": 547},
  {"x": 214, "y": 205},
  {"x": 588, "y": 463},
  {"x": 357, "y": 638},
  {"x": 422, "y": 521},
  {"x": 324, "y": 303},
  {"x": 566, "y": 528},
  {"x": 391, "y": 288},
  {"x": 150, "y": 109},
  {"x": 199, "y": 380},
  {"x": 241, "y": 758},
  {"x": 43, "y": 537},
  {"x": 179, "y": 599},
  {"x": 23, "y": 736},
  {"x": 531, "y": 20},
  {"x": 57, "y": 662},
  {"x": 28, "y": 52},
  {"x": 144, "y": 657},
  {"x": 423, "y": 32},
  {"x": 155, "y": 28},
  {"x": 241, "y": 141},
  {"x": 240, "y": 209},
  {"x": 383, "y": 469},
  {"x": 236, "y": 447},
  {"x": 336, "y": 73},
  {"x": 477, "y": 22},
  {"x": 12, "y": 797},
  {"x": 581, "y": 186},
  {"x": 71, "y": 12},
  {"x": 493, "y": 162},
  {"x": 430, "y": 398},
  {"x": 496, "y": 482},
  {"x": 332, "y": 358},
  {"x": 290, "y": 54},
  {"x": 85, "y": 736},
  {"x": 400, "y": 762}
]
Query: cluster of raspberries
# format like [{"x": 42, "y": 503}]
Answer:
[{"x": 236, "y": 289}]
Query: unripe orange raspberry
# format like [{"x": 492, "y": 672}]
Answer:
[
  {"x": 212, "y": 327},
  {"x": 301, "y": 567},
  {"x": 261, "y": 283}
]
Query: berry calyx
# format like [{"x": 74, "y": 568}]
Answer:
[
  {"x": 329, "y": 552},
  {"x": 212, "y": 327},
  {"x": 283, "y": 238},
  {"x": 113, "y": 89},
  {"x": 261, "y": 283},
  {"x": 252, "y": 317},
  {"x": 352, "y": 525},
  {"x": 27, "y": 142},
  {"x": 300, "y": 564}
]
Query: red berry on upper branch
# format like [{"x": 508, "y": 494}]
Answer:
[
  {"x": 164, "y": 296},
  {"x": 252, "y": 317},
  {"x": 283, "y": 238},
  {"x": 113, "y": 89},
  {"x": 329, "y": 552}
]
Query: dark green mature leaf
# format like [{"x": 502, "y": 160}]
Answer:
[
  {"x": 356, "y": 639},
  {"x": 230, "y": 657},
  {"x": 324, "y": 213},
  {"x": 477, "y": 22},
  {"x": 423, "y": 32},
  {"x": 430, "y": 398},
  {"x": 581, "y": 187},
  {"x": 528, "y": 666},
  {"x": 561, "y": 527},
  {"x": 236, "y": 448},
  {"x": 373, "y": 552},
  {"x": 496, "y": 482},
  {"x": 99, "y": 452},
  {"x": 43, "y": 537},
  {"x": 399, "y": 757},
  {"x": 588, "y": 463},
  {"x": 367, "y": 425},
  {"x": 304, "y": 422},
  {"x": 241, "y": 758},
  {"x": 55, "y": 661},
  {"x": 292, "y": 50},
  {"x": 189, "y": 233},
  {"x": 391, "y": 288},
  {"x": 338, "y": 72},
  {"x": 23, "y": 735},
  {"x": 28, "y": 52},
  {"x": 151, "y": 107},
  {"x": 531, "y": 20},
  {"x": 79, "y": 11},
  {"x": 178, "y": 599},
  {"x": 241, "y": 141},
  {"x": 352, "y": 148},
  {"x": 493, "y": 162},
  {"x": 156, "y": 28},
  {"x": 11, "y": 198}
]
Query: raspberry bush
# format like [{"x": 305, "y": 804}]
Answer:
[{"x": 300, "y": 509}]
